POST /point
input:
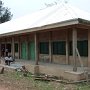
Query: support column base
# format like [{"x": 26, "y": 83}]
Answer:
[
  {"x": 36, "y": 70},
  {"x": 75, "y": 69}
]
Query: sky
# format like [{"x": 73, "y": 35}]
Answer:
[{"x": 21, "y": 8}]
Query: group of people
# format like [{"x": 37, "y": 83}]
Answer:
[
  {"x": 8, "y": 58},
  {"x": 4, "y": 52}
]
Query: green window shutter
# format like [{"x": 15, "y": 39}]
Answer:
[
  {"x": 23, "y": 50},
  {"x": 63, "y": 47},
  {"x": 85, "y": 48},
  {"x": 80, "y": 47},
  {"x": 59, "y": 48},
  {"x": 16, "y": 47},
  {"x": 31, "y": 50},
  {"x": 44, "y": 47},
  {"x": 55, "y": 48}
]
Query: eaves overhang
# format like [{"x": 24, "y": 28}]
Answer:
[
  {"x": 49, "y": 26},
  {"x": 77, "y": 22}
]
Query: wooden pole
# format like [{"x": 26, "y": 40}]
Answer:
[
  {"x": 0, "y": 49},
  {"x": 67, "y": 47},
  {"x": 36, "y": 49},
  {"x": 5, "y": 46},
  {"x": 74, "y": 35},
  {"x": 50, "y": 50},
  {"x": 13, "y": 52},
  {"x": 88, "y": 48},
  {"x": 0, "y": 52},
  {"x": 19, "y": 47},
  {"x": 27, "y": 47}
]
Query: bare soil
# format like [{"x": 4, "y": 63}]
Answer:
[
  {"x": 16, "y": 81},
  {"x": 3, "y": 88}
]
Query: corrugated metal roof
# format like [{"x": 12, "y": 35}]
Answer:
[{"x": 50, "y": 15}]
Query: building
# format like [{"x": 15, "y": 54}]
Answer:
[{"x": 58, "y": 34}]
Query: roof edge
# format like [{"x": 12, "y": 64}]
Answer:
[
  {"x": 35, "y": 29},
  {"x": 83, "y": 21}
]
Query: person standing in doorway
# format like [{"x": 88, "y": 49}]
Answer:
[
  {"x": 3, "y": 50},
  {"x": 6, "y": 52}
]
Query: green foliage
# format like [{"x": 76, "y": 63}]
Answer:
[
  {"x": 5, "y": 14},
  {"x": 83, "y": 86}
]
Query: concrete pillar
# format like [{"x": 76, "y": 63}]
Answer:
[
  {"x": 50, "y": 48},
  {"x": 13, "y": 48},
  {"x": 74, "y": 40},
  {"x": 5, "y": 46},
  {"x": 0, "y": 50},
  {"x": 27, "y": 48},
  {"x": 36, "y": 48},
  {"x": 88, "y": 48},
  {"x": 67, "y": 47},
  {"x": 19, "y": 48}
]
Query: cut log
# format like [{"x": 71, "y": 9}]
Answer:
[{"x": 1, "y": 70}]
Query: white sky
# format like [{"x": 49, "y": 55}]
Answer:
[{"x": 23, "y": 7}]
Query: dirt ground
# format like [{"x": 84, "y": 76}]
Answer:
[
  {"x": 3, "y": 88},
  {"x": 16, "y": 81}
]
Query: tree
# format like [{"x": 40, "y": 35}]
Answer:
[{"x": 5, "y": 14}]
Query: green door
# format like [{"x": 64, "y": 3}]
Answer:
[
  {"x": 32, "y": 51},
  {"x": 23, "y": 50}
]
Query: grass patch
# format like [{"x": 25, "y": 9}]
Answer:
[
  {"x": 83, "y": 86},
  {"x": 16, "y": 81}
]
